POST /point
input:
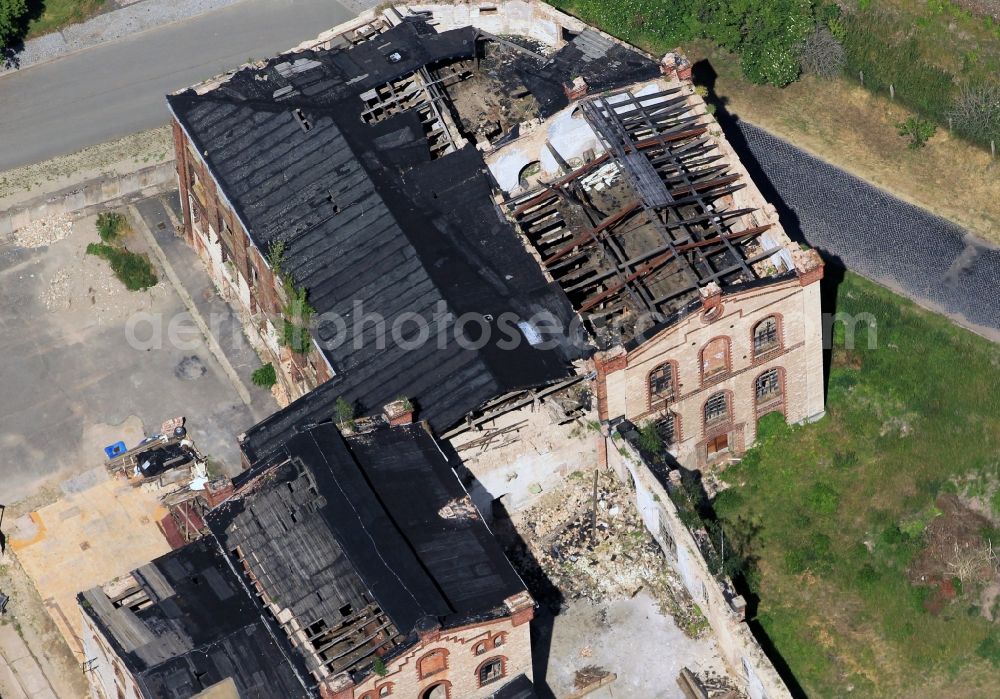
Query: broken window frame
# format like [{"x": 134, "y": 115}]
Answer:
[
  {"x": 491, "y": 670},
  {"x": 768, "y": 387},
  {"x": 766, "y": 337},
  {"x": 662, "y": 383},
  {"x": 666, "y": 427},
  {"x": 716, "y": 410}
]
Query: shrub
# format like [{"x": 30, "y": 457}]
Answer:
[
  {"x": 650, "y": 439},
  {"x": 975, "y": 113},
  {"x": 766, "y": 33},
  {"x": 989, "y": 649},
  {"x": 276, "y": 255},
  {"x": 822, "y": 499},
  {"x": 133, "y": 270},
  {"x": 343, "y": 412},
  {"x": 297, "y": 312},
  {"x": 917, "y": 130},
  {"x": 265, "y": 376},
  {"x": 296, "y": 337},
  {"x": 822, "y": 54},
  {"x": 110, "y": 225}
]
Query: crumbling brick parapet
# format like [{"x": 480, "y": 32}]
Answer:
[
  {"x": 522, "y": 608},
  {"x": 808, "y": 266}
]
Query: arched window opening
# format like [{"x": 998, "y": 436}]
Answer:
[
  {"x": 667, "y": 428},
  {"x": 767, "y": 387},
  {"x": 765, "y": 336},
  {"x": 432, "y": 663},
  {"x": 662, "y": 384},
  {"x": 491, "y": 671},
  {"x": 716, "y": 410}
]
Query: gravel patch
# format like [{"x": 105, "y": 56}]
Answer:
[
  {"x": 932, "y": 260},
  {"x": 43, "y": 232},
  {"x": 108, "y": 26}
]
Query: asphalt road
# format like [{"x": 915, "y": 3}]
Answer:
[
  {"x": 115, "y": 89},
  {"x": 929, "y": 259}
]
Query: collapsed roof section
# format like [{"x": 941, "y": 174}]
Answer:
[
  {"x": 356, "y": 542},
  {"x": 184, "y": 622},
  {"x": 351, "y": 160},
  {"x": 645, "y": 206}
]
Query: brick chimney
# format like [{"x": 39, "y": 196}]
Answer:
[
  {"x": 217, "y": 490},
  {"x": 428, "y": 628},
  {"x": 399, "y": 412},
  {"x": 711, "y": 297},
  {"x": 337, "y": 687},
  {"x": 668, "y": 65},
  {"x": 675, "y": 64},
  {"x": 577, "y": 89},
  {"x": 683, "y": 68},
  {"x": 521, "y": 607}
]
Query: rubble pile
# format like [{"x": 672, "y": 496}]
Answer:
[
  {"x": 44, "y": 231},
  {"x": 718, "y": 686},
  {"x": 614, "y": 559},
  {"x": 82, "y": 286}
]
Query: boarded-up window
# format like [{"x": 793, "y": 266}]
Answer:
[
  {"x": 715, "y": 358},
  {"x": 432, "y": 663}
]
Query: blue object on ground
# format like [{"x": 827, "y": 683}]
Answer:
[{"x": 116, "y": 449}]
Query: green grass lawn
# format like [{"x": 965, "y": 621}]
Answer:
[
  {"x": 835, "y": 513},
  {"x": 53, "y": 15}
]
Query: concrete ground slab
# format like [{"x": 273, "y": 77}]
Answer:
[
  {"x": 86, "y": 538},
  {"x": 630, "y": 638},
  {"x": 20, "y": 675},
  {"x": 75, "y": 381}
]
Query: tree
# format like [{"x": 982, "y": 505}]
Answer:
[
  {"x": 11, "y": 20},
  {"x": 766, "y": 33}
]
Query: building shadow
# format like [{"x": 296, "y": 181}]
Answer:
[
  {"x": 833, "y": 276},
  {"x": 547, "y": 596},
  {"x": 705, "y": 75},
  {"x": 692, "y": 489},
  {"x": 748, "y": 533}
]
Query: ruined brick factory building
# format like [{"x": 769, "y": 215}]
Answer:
[
  {"x": 343, "y": 567},
  {"x": 499, "y": 159}
]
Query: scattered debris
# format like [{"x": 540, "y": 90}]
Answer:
[
  {"x": 590, "y": 679},
  {"x": 614, "y": 559}
]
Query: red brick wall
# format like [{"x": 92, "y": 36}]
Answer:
[
  {"x": 219, "y": 229},
  {"x": 624, "y": 391},
  {"x": 465, "y": 649}
]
